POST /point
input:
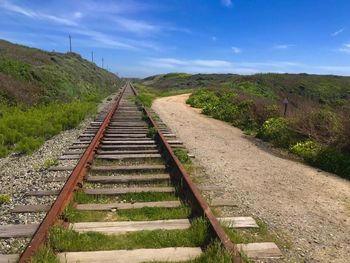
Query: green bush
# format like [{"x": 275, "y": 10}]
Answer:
[
  {"x": 276, "y": 131},
  {"x": 201, "y": 98},
  {"x": 24, "y": 131},
  {"x": 16, "y": 69},
  {"x": 308, "y": 150},
  {"x": 321, "y": 156}
]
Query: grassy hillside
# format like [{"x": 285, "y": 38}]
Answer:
[
  {"x": 317, "y": 124},
  {"x": 318, "y": 89},
  {"x": 31, "y": 76},
  {"x": 43, "y": 93}
]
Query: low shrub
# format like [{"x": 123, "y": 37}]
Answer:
[
  {"x": 326, "y": 158},
  {"x": 276, "y": 131},
  {"x": 24, "y": 131},
  {"x": 202, "y": 98},
  {"x": 308, "y": 150}
]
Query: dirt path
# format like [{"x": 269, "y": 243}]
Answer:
[{"x": 310, "y": 206}]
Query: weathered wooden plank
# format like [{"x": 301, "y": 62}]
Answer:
[
  {"x": 118, "y": 191},
  {"x": 173, "y": 254},
  {"x": 126, "y": 178},
  {"x": 128, "y": 156},
  {"x": 126, "y": 206},
  {"x": 115, "y": 228},
  {"x": 43, "y": 193},
  {"x": 77, "y": 147},
  {"x": 30, "y": 208},
  {"x": 134, "y": 135},
  {"x": 238, "y": 222},
  {"x": 61, "y": 168},
  {"x": 223, "y": 202},
  {"x": 144, "y": 142},
  {"x": 9, "y": 258},
  {"x": 260, "y": 250},
  {"x": 56, "y": 179},
  {"x": 73, "y": 152},
  {"x": 17, "y": 230},
  {"x": 144, "y": 139},
  {"x": 127, "y": 152},
  {"x": 128, "y": 147},
  {"x": 69, "y": 157},
  {"x": 112, "y": 168}
]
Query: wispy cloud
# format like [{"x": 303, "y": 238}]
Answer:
[
  {"x": 236, "y": 50},
  {"x": 345, "y": 48},
  {"x": 338, "y": 32},
  {"x": 136, "y": 26},
  {"x": 11, "y": 7},
  {"x": 282, "y": 46},
  {"x": 226, "y": 2}
]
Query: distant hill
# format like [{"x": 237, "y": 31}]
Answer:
[
  {"x": 319, "y": 89},
  {"x": 30, "y": 76}
]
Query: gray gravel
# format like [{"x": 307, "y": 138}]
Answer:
[{"x": 20, "y": 174}]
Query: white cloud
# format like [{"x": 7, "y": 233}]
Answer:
[
  {"x": 338, "y": 32},
  {"x": 345, "y": 48},
  {"x": 236, "y": 50},
  {"x": 226, "y": 2},
  {"x": 282, "y": 46},
  {"x": 34, "y": 14},
  {"x": 136, "y": 26}
]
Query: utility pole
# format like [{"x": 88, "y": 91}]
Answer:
[
  {"x": 92, "y": 56},
  {"x": 70, "y": 43},
  {"x": 285, "y": 102},
  {"x": 102, "y": 62}
]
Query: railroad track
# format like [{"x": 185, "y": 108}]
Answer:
[{"x": 126, "y": 199}]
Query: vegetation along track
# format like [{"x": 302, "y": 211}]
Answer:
[{"x": 128, "y": 199}]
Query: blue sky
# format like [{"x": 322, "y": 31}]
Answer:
[{"x": 146, "y": 37}]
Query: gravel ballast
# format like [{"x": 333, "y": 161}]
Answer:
[{"x": 20, "y": 174}]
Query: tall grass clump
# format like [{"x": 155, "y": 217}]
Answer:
[{"x": 24, "y": 131}]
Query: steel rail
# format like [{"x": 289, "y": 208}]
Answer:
[
  {"x": 66, "y": 193},
  {"x": 199, "y": 202}
]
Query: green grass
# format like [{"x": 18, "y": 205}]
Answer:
[
  {"x": 183, "y": 157},
  {"x": 260, "y": 234},
  {"x": 148, "y": 213},
  {"x": 50, "y": 162},
  {"x": 68, "y": 240},
  {"x": 24, "y": 131},
  {"x": 151, "y": 132},
  {"x": 83, "y": 198},
  {"x": 16, "y": 69},
  {"x": 4, "y": 198},
  {"x": 44, "y": 255}
]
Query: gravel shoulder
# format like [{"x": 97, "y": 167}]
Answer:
[
  {"x": 20, "y": 174},
  {"x": 309, "y": 206}
]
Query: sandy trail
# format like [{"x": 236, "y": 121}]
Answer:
[{"x": 309, "y": 206}]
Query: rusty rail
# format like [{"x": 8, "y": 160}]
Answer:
[
  {"x": 198, "y": 202},
  {"x": 67, "y": 191}
]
